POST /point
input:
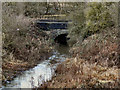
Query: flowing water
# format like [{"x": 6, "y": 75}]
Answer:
[{"x": 42, "y": 72}]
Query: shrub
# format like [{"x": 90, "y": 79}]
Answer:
[
  {"x": 92, "y": 18},
  {"x": 20, "y": 38},
  {"x": 76, "y": 29},
  {"x": 98, "y": 17},
  {"x": 99, "y": 48}
]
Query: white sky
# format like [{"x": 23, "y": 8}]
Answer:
[{"x": 60, "y": 0}]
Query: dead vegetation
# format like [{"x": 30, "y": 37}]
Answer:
[
  {"x": 24, "y": 45},
  {"x": 22, "y": 50},
  {"x": 95, "y": 64},
  {"x": 100, "y": 48},
  {"x": 78, "y": 73}
]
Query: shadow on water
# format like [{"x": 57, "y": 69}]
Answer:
[{"x": 62, "y": 49}]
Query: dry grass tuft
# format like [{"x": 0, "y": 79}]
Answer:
[
  {"x": 95, "y": 64},
  {"x": 78, "y": 73},
  {"x": 24, "y": 45},
  {"x": 100, "y": 48}
]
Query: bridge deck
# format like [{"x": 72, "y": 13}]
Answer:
[
  {"x": 52, "y": 24},
  {"x": 54, "y": 20}
]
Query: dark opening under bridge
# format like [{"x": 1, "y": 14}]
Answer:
[{"x": 58, "y": 29}]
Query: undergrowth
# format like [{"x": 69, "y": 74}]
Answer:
[
  {"x": 24, "y": 45},
  {"x": 95, "y": 63}
]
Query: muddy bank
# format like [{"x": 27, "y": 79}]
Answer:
[{"x": 13, "y": 68}]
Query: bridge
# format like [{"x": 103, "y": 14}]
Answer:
[
  {"x": 56, "y": 29},
  {"x": 52, "y": 24}
]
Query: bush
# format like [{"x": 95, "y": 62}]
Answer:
[
  {"x": 76, "y": 29},
  {"x": 99, "y": 48},
  {"x": 98, "y": 17},
  {"x": 20, "y": 38},
  {"x": 92, "y": 18}
]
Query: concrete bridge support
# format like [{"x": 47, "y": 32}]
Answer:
[{"x": 59, "y": 36}]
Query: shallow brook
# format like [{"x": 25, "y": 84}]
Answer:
[{"x": 41, "y": 73}]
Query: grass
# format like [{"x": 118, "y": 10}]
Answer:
[
  {"x": 95, "y": 61},
  {"x": 78, "y": 73},
  {"x": 99, "y": 48},
  {"x": 94, "y": 64},
  {"x": 24, "y": 45}
]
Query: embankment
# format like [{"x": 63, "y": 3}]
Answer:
[
  {"x": 95, "y": 64},
  {"x": 24, "y": 46}
]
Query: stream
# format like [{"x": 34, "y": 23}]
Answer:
[{"x": 41, "y": 73}]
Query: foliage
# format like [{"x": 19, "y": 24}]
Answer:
[
  {"x": 92, "y": 18},
  {"x": 24, "y": 45},
  {"x": 95, "y": 60},
  {"x": 76, "y": 28},
  {"x": 20, "y": 37},
  {"x": 98, "y": 17},
  {"x": 79, "y": 73},
  {"x": 105, "y": 46},
  {"x": 32, "y": 9},
  {"x": 78, "y": 19},
  {"x": 94, "y": 63}
]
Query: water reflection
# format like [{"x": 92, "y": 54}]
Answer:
[{"x": 62, "y": 49}]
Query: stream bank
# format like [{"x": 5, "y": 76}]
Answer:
[
  {"x": 14, "y": 68},
  {"x": 42, "y": 72},
  {"x": 94, "y": 63}
]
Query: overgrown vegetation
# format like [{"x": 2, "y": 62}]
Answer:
[
  {"x": 94, "y": 42},
  {"x": 94, "y": 49},
  {"x": 24, "y": 45},
  {"x": 98, "y": 17},
  {"x": 78, "y": 73},
  {"x": 92, "y": 18},
  {"x": 94, "y": 64}
]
